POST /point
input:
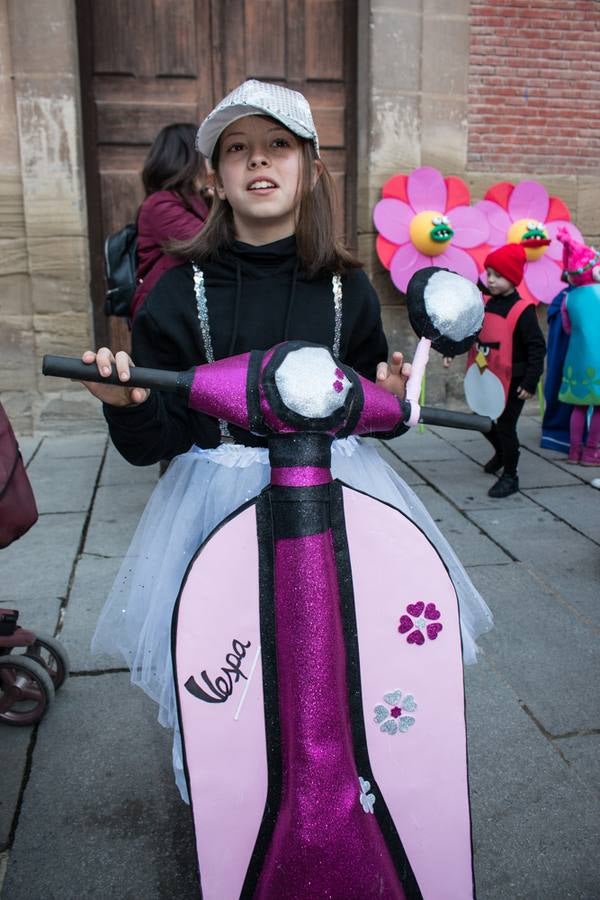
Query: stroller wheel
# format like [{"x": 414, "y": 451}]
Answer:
[
  {"x": 26, "y": 690},
  {"x": 50, "y": 654}
]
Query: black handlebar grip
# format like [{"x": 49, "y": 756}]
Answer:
[
  {"x": 449, "y": 418},
  {"x": 76, "y": 370}
]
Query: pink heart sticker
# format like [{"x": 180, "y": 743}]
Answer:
[
  {"x": 431, "y": 612},
  {"x": 433, "y": 630},
  {"x": 415, "y": 637},
  {"x": 405, "y": 624},
  {"x": 415, "y": 609}
]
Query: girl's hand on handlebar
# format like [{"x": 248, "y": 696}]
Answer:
[
  {"x": 393, "y": 377},
  {"x": 114, "y": 394}
]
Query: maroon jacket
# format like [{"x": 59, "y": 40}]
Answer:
[{"x": 164, "y": 216}]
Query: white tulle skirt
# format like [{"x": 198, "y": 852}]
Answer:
[{"x": 200, "y": 489}]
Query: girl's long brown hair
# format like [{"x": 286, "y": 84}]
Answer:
[{"x": 319, "y": 250}]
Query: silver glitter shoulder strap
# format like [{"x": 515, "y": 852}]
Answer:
[
  {"x": 336, "y": 283},
  {"x": 202, "y": 309}
]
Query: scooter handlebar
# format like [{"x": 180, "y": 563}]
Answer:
[
  {"x": 77, "y": 370},
  {"x": 180, "y": 383}
]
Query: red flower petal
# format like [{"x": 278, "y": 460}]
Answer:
[
  {"x": 558, "y": 210},
  {"x": 458, "y": 193},
  {"x": 500, "y": 193},
  {"x": 385, "y": 250},
  {"x": 396, "y": 187}
]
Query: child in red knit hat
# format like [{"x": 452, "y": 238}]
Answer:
[{"x": 506, "y": 363}]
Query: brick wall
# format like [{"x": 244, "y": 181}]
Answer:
[{"x": 534, "y": 86}]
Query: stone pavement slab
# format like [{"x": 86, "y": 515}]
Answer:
[
  {"x": 75, "y": 446},
  {"x": 469, "y": 543},
  {"x": 463, "y": 482},
  {"x": 527, "y": 845},
  {"x": 534, "y": 470},
  {"x": 566, "y": 561},
  {"x": 63, "y": 485},
  {"x": 578, "y": 505},
  {"x": 406, "y": 472},
  {"x": 117, "y": 511},
  {"x": 562, "y": 696},
  {"x": 582, "y": 751},
  {"x": 101, "y": 817},
  {"x": 35, "y": 570},
  {"x": 117, "y": 470},
  {"x": 94, "y": 576},
  {"x": 14, "y": 743},
  {"x": 416, "y": 445},
  {"x": 28, "y": 446}
]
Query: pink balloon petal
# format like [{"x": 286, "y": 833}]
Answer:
[
  {"x": 470, "y": 226},
  {"x": 529, "y": 200},
  {"x": 426, "y": 189},
  {"x": 498, "y": 221},
  {"x": 555, "y": 249},
  {"x": 392, "y": 219},
  {"x": 406, "y": 261},
  {"x": 542, "y": 277},
  {"x": 458, "y": 261}
]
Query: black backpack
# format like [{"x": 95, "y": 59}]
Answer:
[{"x": 120, "y": 263}]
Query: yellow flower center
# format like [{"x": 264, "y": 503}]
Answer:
[
  {"x": 528, "y": 229},
  {"x": 431, "y": 232}
]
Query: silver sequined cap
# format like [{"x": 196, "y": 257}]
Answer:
[{"x": 258, "y": 98}]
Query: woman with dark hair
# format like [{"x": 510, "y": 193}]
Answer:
[{"x": 175, "y": 208}]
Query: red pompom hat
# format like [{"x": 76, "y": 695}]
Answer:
[{"x": 508, "y": 261}]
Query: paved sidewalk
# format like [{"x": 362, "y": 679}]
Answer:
[{"x": 88, "y": 808}]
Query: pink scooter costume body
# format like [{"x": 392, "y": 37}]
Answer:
[
  {"x": 316, "y": 642},
  {"x": 325, "y": 753}
]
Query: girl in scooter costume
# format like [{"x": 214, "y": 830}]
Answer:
[{"x": 265, "y": 268}]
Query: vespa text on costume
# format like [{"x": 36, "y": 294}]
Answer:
[{"x": 221, "y": 688}]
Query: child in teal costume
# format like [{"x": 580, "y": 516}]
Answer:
[{"x": 581, "y": 372}]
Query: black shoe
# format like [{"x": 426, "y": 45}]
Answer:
[
  {"x": 505, "y": 486},
  {"x": 493, "y": 465}
]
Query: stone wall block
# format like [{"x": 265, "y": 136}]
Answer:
[
  {"x": 63, "y": 334},
  {"x": 445, "y": 54},
  {"x": 396, "y": 66},
  {"x": 50, "y": 154},
  {"x": 9, "y": 147},
  {"x": 15, "y": 296},
  {"x": 13, "y": 258},
  {"x": 395, "y": 135},
  {"x": 59, "y": 275},
  {"x": 443, "y": 133},
  {"x": 70, "y": 410},
  {"x": 19, "y": 410},
  {"x": 587, "y": 218},
  {"x": 12, "y": 216},
  {"x": 43, "y": 35},
  {"x": 17, "y": 371}
]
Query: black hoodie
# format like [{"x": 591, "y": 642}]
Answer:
[{"x": 256, "y": 298}]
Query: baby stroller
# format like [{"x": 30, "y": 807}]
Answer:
[{"x": 28, "y": 679}]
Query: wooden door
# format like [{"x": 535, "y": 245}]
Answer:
[{"x": 147, "y": 63}]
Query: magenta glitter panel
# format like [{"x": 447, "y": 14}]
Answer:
[
  {"x": 324, "y": 843},
  {"x": 300, "y": 476},
  {"x": 219, "y": 390},
  {"x": 381, "y": 410}
]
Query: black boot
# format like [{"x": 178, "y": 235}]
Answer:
[
  {"x": 493, "y": 464},
  {"x": 505, "y": 486}
]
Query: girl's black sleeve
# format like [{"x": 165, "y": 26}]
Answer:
[
  {"x": 162, "y": 427},
  {"x": 367, "y": 344}
]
